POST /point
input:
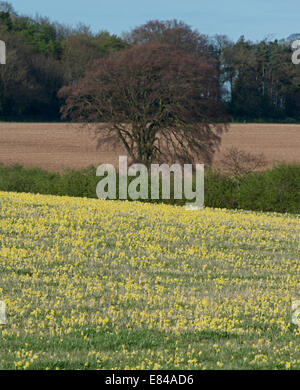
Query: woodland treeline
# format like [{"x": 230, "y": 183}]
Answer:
[{"x": 258, "y": 81}]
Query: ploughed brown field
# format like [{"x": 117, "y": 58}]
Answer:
[{"x": 57, "y": 146}]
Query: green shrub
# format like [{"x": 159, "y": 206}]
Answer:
[
  {"x": 276, "y": 189},
  {"x": 16, "y": 178},
  {"x": 79, "y": 183},
  {"x": 220, "y": 190}
]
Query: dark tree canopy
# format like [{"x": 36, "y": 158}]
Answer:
[
  {"x": 171, "y": 32},
  {"x": 160, "y": 102},
  {"x": 258, "y": 81},
  {"x": 42, "y": 56},
  {"x": 264, "y": 83}
]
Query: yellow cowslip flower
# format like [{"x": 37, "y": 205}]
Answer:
[{"x": 78, "y": 275}]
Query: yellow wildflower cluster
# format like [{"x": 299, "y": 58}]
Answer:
[{"x": 127, "y": 285}]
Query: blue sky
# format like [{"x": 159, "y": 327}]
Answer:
[{"x": 256, "y": 19}]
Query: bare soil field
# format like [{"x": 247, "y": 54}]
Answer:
[{"x": 58, "y": 146}]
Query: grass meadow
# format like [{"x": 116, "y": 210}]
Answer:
[{"x": 92, "y": 284}]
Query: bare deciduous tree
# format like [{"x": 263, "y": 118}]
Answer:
[
  {"x": 170, "y": 32},
  {"x": 162, "y": 104},
  {"x": 236, "y": 162}
]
